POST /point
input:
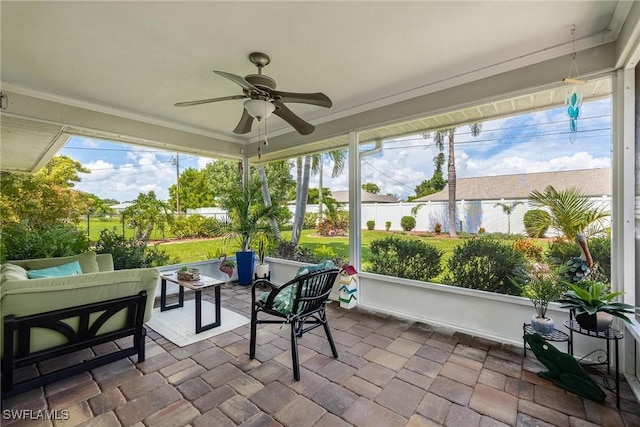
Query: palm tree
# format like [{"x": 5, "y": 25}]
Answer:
[
  {"x": 306, "y": 166},
  {"x": 508, "y": 209},
  {"x": 266, "y": 197},
  {"x": 438, "y": 139},
  {"x": 571, "y": 211}
]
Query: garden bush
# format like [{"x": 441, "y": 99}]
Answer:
[
  {"x": 310, "y": 221},
  {"x": 536, "y": 222},
  {"x": 408, "y": 258},
  {"x": 131, "y": 253},
  {"x": 371, "y": 224},
  {"x": 530, "y": 250},
  {"x": 408, "y": 223},
  {"x": 387, "y": 225},
  {"x": 437, "y": 228},
  {"x": 561, "y": 251},
  {"x": 487, "y": 265},
  {"x": 188, "y": 226},
  {"x": 24, "y": 241}
]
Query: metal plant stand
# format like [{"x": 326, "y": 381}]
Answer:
[{"x": 555, "y": 336}]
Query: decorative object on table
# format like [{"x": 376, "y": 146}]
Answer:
[
  {"x": 573, "y": 98},
  {"x": 595, "y": 307},
  {"x": 262, "y": 269},
  {"x": 348, "y": 292},
  {"x": 563, "y": 370},
  {"x": 248, "y": 217},
  {"x": 188, "y": 273},
  {"x": 579, "y": 268},
  {"x": 227, "y": 265},
  {"x": 544, "y": 286}
]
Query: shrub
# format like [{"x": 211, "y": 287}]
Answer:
[
  {"x": 371, "y": 224},
  {"x": 487, "y": 265},
  {"x": 24, "y": 241},
  {"x": 131, "y": 253},
  {"x": 289, "y": 250},
  {"x": 481, "y": 230},
  {"x": 387, "y": 225},
  {"x": 408, "y": 223},
  {"x": 561, "y": 251},
  {"x": 408, "y": 258},
  {"x": 189, "y": 226},
  {"x": 536, "y": 222},
  {"x": 531, "y": 251},
  {"x": 310, "y": 221},
  {"x": 437, "y": 228}
]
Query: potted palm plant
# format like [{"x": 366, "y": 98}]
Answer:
[
  {"x": 247, "y": 218},
  {"x": 544, "y": 286},
  {"x": 595, "y": 307}
]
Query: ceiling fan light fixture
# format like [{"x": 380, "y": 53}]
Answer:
[{"x": 258, "y": 108}]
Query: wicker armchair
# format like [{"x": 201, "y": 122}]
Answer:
[{"x": 299, "y": 302}]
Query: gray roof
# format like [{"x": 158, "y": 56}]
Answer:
[
  {"x": 593, "y": 182},
  {"x": 342, "y": 196}
]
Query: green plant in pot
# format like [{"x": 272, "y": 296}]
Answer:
[
  {"x": 247, "y": 218},
  {"x": 543, "y": 287},
  {"x": 262, "y": 269},
  {"x": 594, "y": 307}
]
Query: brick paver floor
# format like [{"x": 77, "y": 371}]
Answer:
[{"x": 391, "y": 372}]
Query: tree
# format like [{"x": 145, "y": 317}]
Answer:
[
  {"x": 571, "y": 211},
  {"x": 508, "y": 209},
  {"x": 451, "y": 167},
  {"x": 437, "y": 181},
  {"x": 147, "y": 213},
  {"x": 195, "y": 190},
  {"x": 370, "y": 187},
  {"x": 304, "y": 169}
]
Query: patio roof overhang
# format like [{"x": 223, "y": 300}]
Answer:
[{"x": 36, "y": 123}]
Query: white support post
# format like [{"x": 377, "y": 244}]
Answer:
[{"x": 355, "y": 208}]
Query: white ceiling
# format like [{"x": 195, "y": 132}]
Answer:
[{"x": 136, "y": 59}]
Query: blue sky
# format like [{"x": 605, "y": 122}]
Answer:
[{"x": 535, "y": 142}]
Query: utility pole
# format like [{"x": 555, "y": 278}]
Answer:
[{"x": 176, "y": 161}]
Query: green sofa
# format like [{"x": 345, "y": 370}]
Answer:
[{"x": 43, "y": 318}]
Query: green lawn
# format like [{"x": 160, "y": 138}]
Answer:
[{"x": 96, "y": 225}]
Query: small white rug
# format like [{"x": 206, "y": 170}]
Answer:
[{"x": 179, "y": 325}]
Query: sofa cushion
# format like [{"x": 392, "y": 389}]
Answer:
[
  {"x": 87, "y": 261},
  {"x": 69, "y": 269},
  {"x": 10, "y": 271}
]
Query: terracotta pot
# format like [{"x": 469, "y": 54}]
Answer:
[{"x": 597, "y": 322}]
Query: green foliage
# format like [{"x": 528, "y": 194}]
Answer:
[
  {"x": 437, "y": 181},
  {"x": 147, "y": 213},
  {"x": 536, "y": 222},
  {"x": 188, "y": 226},
  {"x": 131, "y": 253},
  {"x": 488, "y": 265},
  {"x": 437, "y": 228},
  {"x": 336, "y": 221},
  {"x": 387, "y": 225},
  {"x": 508, "y": 208},
  {"x": 572, "y": 211},
  {"x": 310, "y": 220},
  {"x": 293, "y": 252},
  {"x": 324, "y": 252},
  {"x": 408, "y": 223},
  {"x": 371, "y": 224},
  {"x": 561, "y": 251},
  {"x": 590, "y": 297},
  {"x": 544, "y": 285},
  {"x": 23, "y": 241},
  {"x": 370, "y": 187},
  {"x": 195, "y": 190},
  {"x": 408, "y": 258}
]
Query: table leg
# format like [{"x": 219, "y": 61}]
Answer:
[
  {"x": 163, "y": 297},
  {"x": 199, "y": 326}
]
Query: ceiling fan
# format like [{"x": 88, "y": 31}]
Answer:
[{"x": 263, "y": 99}]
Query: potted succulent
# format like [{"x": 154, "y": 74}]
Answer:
[
  {"x": 544, "y": 286},
  {"x": 262, "y": 269},
  {"x": 188, "y": 273},
  {"x": 594, "y": 307},
  {"x": 247, "y": 218}
]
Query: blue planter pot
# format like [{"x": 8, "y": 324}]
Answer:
[{"x": 245, "y": 261}]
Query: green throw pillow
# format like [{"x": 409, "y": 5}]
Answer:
[
  {"x": 70, "y": 269},
  {"x": 12, "y": 272},
  {"x": 282, "y": 302}
]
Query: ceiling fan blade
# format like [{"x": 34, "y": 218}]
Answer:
[
  {"x": 303, "y": 128},
  {"x": 245, "y": 123},
  {"x": 206, "y": 101},
  {"x": 239, "y": 80},
  {"x": 318, "y": 98}
]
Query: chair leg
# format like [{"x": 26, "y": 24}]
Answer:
[
  {"x": 329, "y": 336},
  {"x": 294, "y": 352},
  {"x": 252, "y": 339}
]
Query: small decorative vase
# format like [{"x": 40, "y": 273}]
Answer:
[
  {"x": 542, "y": 325},
  {"x": 597, "y": 322}
]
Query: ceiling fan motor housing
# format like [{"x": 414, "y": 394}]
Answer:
[{"x": 261, "y": 81}]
